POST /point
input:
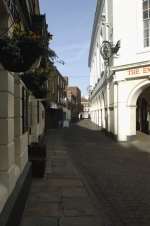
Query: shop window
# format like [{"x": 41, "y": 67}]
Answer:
[
  {"x": 24, "y": 110},
  {"x": 146, "y": 22}
]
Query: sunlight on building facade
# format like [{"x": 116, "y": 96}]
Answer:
[{"x": 119, "y": 62}]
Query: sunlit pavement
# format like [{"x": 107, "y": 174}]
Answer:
[{"x": 90, "y": 180}]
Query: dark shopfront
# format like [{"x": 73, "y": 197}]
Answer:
[{"x": 54, "y": 118}]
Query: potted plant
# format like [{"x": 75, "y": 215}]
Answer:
[
  {"x": 19, "y": 52},
  {"x": 37, "y": 155}
]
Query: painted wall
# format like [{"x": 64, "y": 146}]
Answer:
[
  {"x": 115, "y": 91},
  {"x": 128, "y": 28},
  {"x": 13, "y": 141}
]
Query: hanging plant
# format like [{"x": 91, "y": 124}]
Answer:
[
  {"x": 19, "y": 52},
  {"x": 36, "y": 82}
]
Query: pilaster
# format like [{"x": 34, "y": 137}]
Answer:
[{"x": 9, "y": 171}]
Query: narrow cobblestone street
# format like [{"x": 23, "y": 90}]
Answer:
[{"x": 90, "y": 180}]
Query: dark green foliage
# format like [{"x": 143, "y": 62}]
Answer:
[
  {"x": 36, "y": 83},
  {"x": 18, "y": 55}
]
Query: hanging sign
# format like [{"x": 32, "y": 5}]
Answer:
[{"x": 106, "y": 50}]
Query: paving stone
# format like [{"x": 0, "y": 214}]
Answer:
[
  {"x": 59, "y": 162},
  {"x": 53, "y": 196},
  {"x": 43, "y": 210},
  {"x": 63, "y": 171},
  {"x": 81, "y": 221},
  {"x": 59, "y": 157},
  {"x": 60, "y": 197},
  {"x": 36, "y": 189},
  {"x": 36, "y": 183},
  {"x": 39, "y": 221},
  {"x": 61, "y": 182},
  {"x": 72, "y": 192},
  {"x": 78, "y": 207},
  {"x": 118, "y": 174}
]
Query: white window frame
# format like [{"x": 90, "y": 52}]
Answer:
[{"x": 146, "y": 23}]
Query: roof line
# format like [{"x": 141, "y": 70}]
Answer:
[{"x": 94, "y": 30}]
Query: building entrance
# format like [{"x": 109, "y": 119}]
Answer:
[
  {"x": 142, "y": 115},
  {"x": 143, "y": 112}
]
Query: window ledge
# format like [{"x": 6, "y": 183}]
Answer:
[{"x": 143, "y": 50}]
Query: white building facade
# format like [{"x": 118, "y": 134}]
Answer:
[
  {"x": 120, "y": 85},
  {"x": 84, "y": 114}
]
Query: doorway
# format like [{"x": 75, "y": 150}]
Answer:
[{"x": 142, "y": 112}]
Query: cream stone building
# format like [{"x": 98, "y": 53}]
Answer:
[
  {"x": 16, "y": 132},
  {"x": 119, "y": 62},
  {"x": 84, "y": 114}
]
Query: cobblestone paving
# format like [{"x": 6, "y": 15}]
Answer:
[
  {"x": 61, "y": 197},
  {"x": 118, "y": 174},
  {"x": 90, "y": 180}
]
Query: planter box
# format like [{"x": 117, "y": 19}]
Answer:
[
  {"x": 38, "y": 167},
  {"x": 37, "y": 155},
  {"x": 37, "y": 150},
  {"x": 15, "y": 55}
]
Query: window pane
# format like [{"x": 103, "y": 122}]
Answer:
[
  {"x": 146, "y": 25},
  {"x": 146, "y": 42},
  {"x": 146, "y": 33},
  {"x": 145, "y": 5},
  {"x": 145, "y": 14}
]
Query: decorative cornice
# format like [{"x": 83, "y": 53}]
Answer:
[{"x": 130, "y": 66}]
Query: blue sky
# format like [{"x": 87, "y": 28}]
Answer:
[{"x": 71, "y": 21}]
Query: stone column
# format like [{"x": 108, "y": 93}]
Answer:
[
  {"x": 9, "y": 172},
  {"x": 115, "y": 109},
  {"x": 95, "y": 116},
  {"x": 103, "y": 118},
  {"x": 122, "y": 111},
  {"x": 92, "y": 115},
  {"x": 108, "y": 109},
  {"x": 99, "y": 122},
  {"x": 123, "y": 120},
  {"x": 132, "y": 122}
]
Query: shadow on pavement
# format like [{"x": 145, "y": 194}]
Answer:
[{"x": 118, "y": 174}]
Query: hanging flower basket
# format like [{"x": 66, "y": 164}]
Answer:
[
  {"x": 18, "y": 55},
  {"x": 21, "y": 51},
  {"x": 36, "y": 81}
]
